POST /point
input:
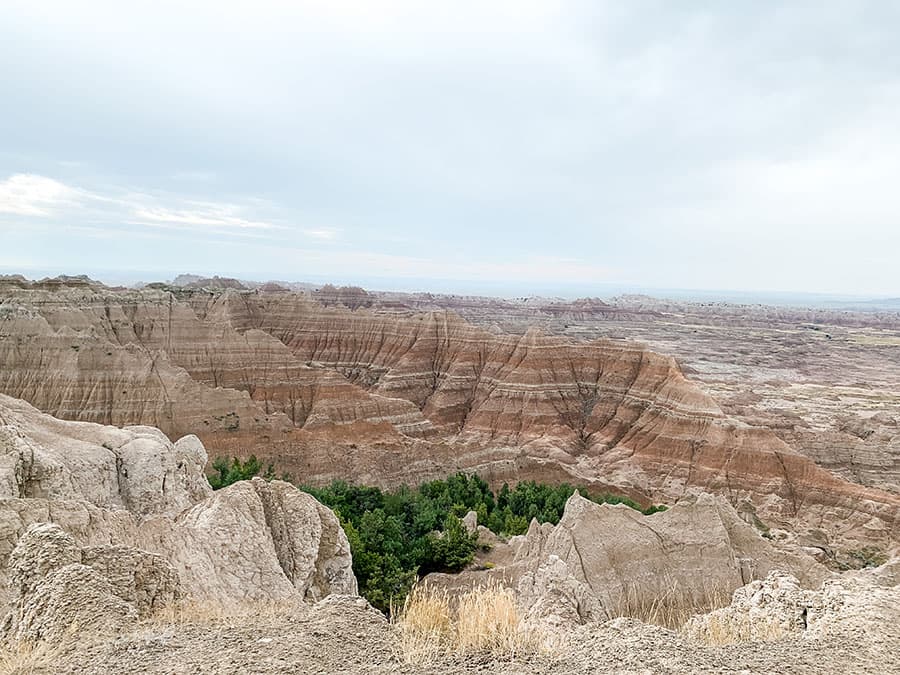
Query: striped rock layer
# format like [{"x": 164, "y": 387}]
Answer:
[{"x": 390, "y": 398}]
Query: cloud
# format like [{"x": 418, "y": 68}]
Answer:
[
  {"x": 91, "y": 210},
  {"x": 323, "y": 234},
  {"x": 216, "y": 216},
  {"x": 30, "y": 195}
]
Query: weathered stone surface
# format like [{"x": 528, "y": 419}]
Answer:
[
  {"x": 44, "y": 549},
  {"x": 136, "y": 468},
  {"x": 71, "y": 599},
  {"x": 777, "y": 607},
  {"x": 53, "y": 595},
  {"x": 555, "y": 597},
  {"x": 252, "y": 540},
  {"x": 699, "y": 546},
  {"x": 258, "y": 540},
  {"x": 145, "y": 580},
  {"x": 604, "y": 560}
]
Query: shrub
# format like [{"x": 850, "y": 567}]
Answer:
[{"x": 227, "y": 472}]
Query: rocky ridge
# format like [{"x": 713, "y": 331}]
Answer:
[{"x": 99, "y": 569}]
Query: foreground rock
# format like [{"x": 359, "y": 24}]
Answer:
[
  {"x": 603, "y": 561},
  {"x": 256, "y": 540},
  {"x": 777, "y": 608},
  {"x": 58, "y": 588},
  {"x": 101, "y": 526}
]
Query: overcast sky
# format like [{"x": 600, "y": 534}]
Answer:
[{"x": 742, "y": 145}]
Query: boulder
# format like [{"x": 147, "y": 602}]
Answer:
[
  {"x": 778, "y": 607},
  {"x": 145, "y": 580},
  {"x": 137, "y": 468},
  {"x": 555, "y": 597},
  {"x": 71, "y": 599},
  {"x": 138, "y": 509},
  {"x": 58, "y": 588},
  {"x": 700, "y": 547},
  {"x": 605, "y": 560},
  {"x": 470, "y": 522},
  {"x": 762, "y": 610},
  {"x": 258, "y": 540}
]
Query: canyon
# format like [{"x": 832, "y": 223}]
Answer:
[
  {"x": 116, "y": 556},
  {"x": 386, "y": 389}
]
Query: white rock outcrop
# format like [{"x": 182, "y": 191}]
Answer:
[
  {"x": 699, "y": 547},
  {"x": 604, "y": 560},
  {"x": 57, "y": 588},
  {"x": 778, "y": 607},
  {"x": 258, "y": 540},
  {"x": 130, "y": 508},
  {"x": 136, "y": 468}
]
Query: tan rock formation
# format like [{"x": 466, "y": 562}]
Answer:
[
  {"x": 150, "y": 503},
  {"x": 255, "y": 540},
  {"x": 58, "y": 589},
  {"x": 777, "y": 607},
  {"x": 602, "y": 561}
]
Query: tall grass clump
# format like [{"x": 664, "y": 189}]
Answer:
[
  {"x": 484, "y": 620},
  {"x": 25, "y": 658},
  {"x": 671, "y": 605}
]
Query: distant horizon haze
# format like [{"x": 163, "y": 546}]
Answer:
[{"x": 486, "y": 289}]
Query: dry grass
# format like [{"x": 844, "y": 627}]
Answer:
[
  {"x": 483, "y": 620},
  {"x": 671, "y": 606},
  {"x": 27, "y": 658},
  {"x": 488, "y": 621},
  {"x": 721, "y": 629}
]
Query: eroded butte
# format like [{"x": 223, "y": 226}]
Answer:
[{"x": 386, "y": 394}]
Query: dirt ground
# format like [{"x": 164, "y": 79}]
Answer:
[{"x": 343, "y": 635}]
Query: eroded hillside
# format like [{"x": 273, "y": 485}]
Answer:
[{"x": 385, "y": 398}]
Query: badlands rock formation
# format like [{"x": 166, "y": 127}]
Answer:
[
  {"x": 325, "y": 392},
  {"x": 116, "y": 522},
  {"x": 55, "y": 584},
  {"x": 603, "y": 561},
  {"x": 777, "y": 607},
  {"x": 825, "y": 380}
]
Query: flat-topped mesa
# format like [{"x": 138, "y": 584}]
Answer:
[{"x": 386, "y": 398}]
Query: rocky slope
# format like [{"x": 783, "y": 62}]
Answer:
[
  {"x": 825, "y": 380},
  {"x": 604, "y": 561},
  {"x": 142, "y": 570},
  {"x": 327, "y": 392},
  {"x": 129, "y": 499}
]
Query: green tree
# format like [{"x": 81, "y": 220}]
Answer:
[
  {"x": 453, "y": 549},
  {"x": 228, "y": 473}
]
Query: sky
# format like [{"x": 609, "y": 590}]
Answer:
[{"x": 747, "y": 145}]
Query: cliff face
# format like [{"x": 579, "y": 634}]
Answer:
[{"x": 326, "y": 392}]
